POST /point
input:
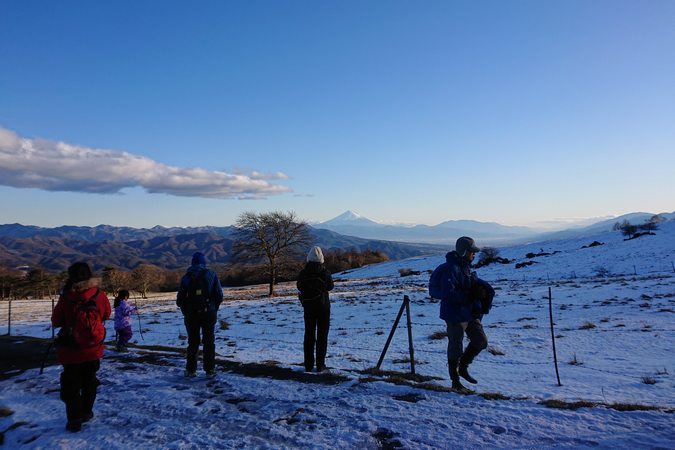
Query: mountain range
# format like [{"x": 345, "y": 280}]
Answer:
[
  {"x": 124, "y": 247},
  {"x": 488, "y": 233},
  {"x": 171, "y": 247}
]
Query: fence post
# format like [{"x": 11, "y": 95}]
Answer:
[
  {"x": 406, "y": 302},
  {"x": 550, "y": 313},
  {"x": 9, "y": 318},
  {"x": 50, "y": 320},
  {"x": 391, "y": 335}
]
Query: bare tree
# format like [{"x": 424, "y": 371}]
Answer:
[
  {"x": 488, "y": 253},
  {"x": 626, "y": 228},
  {"x": 652, "y": 224},
  {"x": 114, "y": 280},
  {"x": 144, "y": 277},
  {"x": 275, "y": 237}
]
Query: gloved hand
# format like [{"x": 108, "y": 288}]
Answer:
[
  {"x": 480, "y": 295},
  {"x": 478, "y": 292}
]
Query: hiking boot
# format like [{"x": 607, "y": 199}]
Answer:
[
  {"x": 190, "y": 373},
  {"x": 464, "y": 373},
  {"x": 74, "y": 426},
  {"x": 88, "y": 416},
  {"x": 211, "y": 373},
  {"x": 467, "y": 358},
  {"x": 460, "y": 388},
  {"x": 320, "y": 368}
]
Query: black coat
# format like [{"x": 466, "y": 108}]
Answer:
[{"x": 314, "y": 282}]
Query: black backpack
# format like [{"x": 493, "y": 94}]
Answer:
[
  {"x": 312, "y": 289},
  {"x": 197, "y": 295}
]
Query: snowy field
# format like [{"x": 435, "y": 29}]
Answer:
[{"x": 613, "y": 308}]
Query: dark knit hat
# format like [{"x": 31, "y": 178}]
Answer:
[
  {"x": 198, "y": 258},
  {"x": 465, "y": 244},
  {"x": 78, "y": 272}
]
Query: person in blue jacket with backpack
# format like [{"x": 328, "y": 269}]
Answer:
[
  {"x": 464, "y": 299},
  {"x": 199, "y": 297}
]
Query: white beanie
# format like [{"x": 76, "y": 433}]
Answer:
[{"x": 315, "y": 255}]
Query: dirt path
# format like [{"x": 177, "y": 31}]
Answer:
[{"x": 20, "y": 353}]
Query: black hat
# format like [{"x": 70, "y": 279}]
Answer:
[{"x": 465, "y": 244}]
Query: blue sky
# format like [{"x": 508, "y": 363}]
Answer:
[{"x": 176, "y": 113}]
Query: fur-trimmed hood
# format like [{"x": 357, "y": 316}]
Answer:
[{"x": 86, "y": 284}]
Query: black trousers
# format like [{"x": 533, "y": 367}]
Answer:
[
  {"x": 317, "y": 323},
  {"x": 474, "y": 331},
  {"x": 78, "y": 388},
  {"x": 204, "y": 325}
]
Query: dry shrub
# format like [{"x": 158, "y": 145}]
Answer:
[{"x": 438, "y": 335}]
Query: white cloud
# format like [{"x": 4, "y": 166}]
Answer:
[{"x": 57, "y": 166}]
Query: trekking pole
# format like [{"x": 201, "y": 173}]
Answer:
[
  {"x": 550, "y": 313},
  {"x": 44, "y": 358},
  {"x": 52, "y": 313},
  {"x": 138, "y": 315}
]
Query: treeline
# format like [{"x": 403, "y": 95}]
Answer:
[
  {"x": 39, "y": 283},
  {"x": 632, "y": 231},
  {"x": 334, "y": 260}
]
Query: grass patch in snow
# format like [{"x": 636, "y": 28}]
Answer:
[
  {"x": 494, "y": 396},
  {"x": 438, "y": 335},
  {"x": 632, "y": 407},
  {"x": 562, "y": 404}
]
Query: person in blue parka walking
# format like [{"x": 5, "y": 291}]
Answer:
[{"x": 464, "y": 299}]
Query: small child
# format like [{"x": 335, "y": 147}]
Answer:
[{"x": 123, "y": 321}]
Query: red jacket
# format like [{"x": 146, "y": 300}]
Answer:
[{"x": 63, "y": 315}]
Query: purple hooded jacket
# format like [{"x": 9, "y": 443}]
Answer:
[{"x": 123, "y": 315}]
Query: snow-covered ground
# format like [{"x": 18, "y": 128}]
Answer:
[{"x": 614, "y": 339}]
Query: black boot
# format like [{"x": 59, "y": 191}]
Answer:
[
  {"x": 454, "y": 376},
  {"x": 466, "y": 359}
]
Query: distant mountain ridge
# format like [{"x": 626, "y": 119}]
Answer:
[
  {"x": 171, "y": 248},
  {"x": 446, "y": 233},
  {"x": 353, "y": 224}
]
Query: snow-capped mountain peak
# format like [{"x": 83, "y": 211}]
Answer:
[{"x": 350, "y": 218}]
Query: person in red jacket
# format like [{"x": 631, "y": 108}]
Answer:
[{"x": 80, "y": 361}]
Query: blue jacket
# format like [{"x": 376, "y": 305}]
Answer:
[
  {"x": 451, "y": 282},
  {"x": 216, "y": 297}
]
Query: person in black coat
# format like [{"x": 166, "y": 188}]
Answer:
[{"x": 314, "y": 282}]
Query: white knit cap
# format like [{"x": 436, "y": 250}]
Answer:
[{"x": 315, "y": 255}]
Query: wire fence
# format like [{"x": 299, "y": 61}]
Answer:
[{"x": 21, "y": 312}]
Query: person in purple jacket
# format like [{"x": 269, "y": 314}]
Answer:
[{"x": 123, "y": 320}]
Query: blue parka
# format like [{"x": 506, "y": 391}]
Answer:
[
  {"x": 451, "y": 282},
  {"x": 215, "y": 289}
]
